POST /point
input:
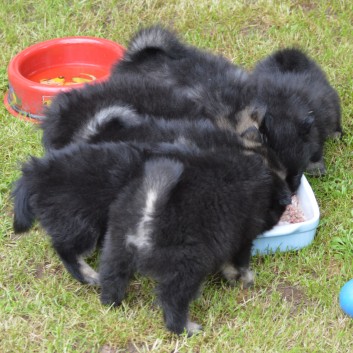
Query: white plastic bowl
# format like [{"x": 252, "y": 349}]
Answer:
[{"x": 292, "y": 236}]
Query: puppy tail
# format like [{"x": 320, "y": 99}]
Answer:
[
  {"x": 152, "y": 40},
  {"x": 292, "y": 59},
  {"x": 23, "y": 213},
  {"x": 161, "y": 176}
]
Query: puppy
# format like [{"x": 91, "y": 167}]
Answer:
[
  {"x": 67, "y": 186},
  {"x": 124, "y": 124},
  {"x": 184, "y": 218},
  {"x": 218, "y": 88},
  {"x": 69, "y": 191},
  {"x": 119, "y": 123},
  {"x": 303, "y": 109},
  {"x": 77, "y": 113},
  {"x": 159, "y": 76}
]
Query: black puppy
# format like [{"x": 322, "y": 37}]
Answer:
[
  {"x": 184, "y": 218},
  {"x": 81, "y": 180},
  {"x": 118, "y": 123},
  {"x": 218, "y": 88},
  {"x": 199, "y": 133},
  {"x": 81, "y": 113},
  {"x": 161, "y": 77},
  {"x": 174, "y": 212},
  {"x": 302, "y": 110},
  {"x": 69, "y": 191}
]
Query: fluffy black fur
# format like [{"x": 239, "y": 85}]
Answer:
[
  {"x": 197, "y": 209},
  {"x": 69, "y": 191},
  {"x": 67, "y": 172},
  {"x": 98, "y": 105},
  {"x": 219, "y": 88},
  {"x": 303, "y": 110},
  {"x": 161, "y": 77},
  {"x": 184, "y": 219},
  {"x": 119, "y": 123}
]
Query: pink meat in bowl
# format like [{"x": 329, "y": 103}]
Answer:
[
  {"x": 293, "y": 213},
  {"x": 297, "y": 226}
]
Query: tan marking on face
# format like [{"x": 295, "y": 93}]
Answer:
[{"x": 245, "y": 120}]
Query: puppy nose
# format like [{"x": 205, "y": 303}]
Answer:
[{"x": 285, "y": 200}]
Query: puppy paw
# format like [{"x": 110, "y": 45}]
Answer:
[
  {"x": 233, "y": 274},
  {"x": 316, "y": 169},
  {"x": 109, "y": 301},
  {"x": 92, "y": 280},
  {"x": 230, "y": 273},
  {"x": 90, "y": 276},
  {"x": 193, "y": 328},
  {"x": 336, "y": 135},
  {"x": 247, "y": 277}
]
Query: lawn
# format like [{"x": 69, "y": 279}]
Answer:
[{"x": 293, "y": 306}]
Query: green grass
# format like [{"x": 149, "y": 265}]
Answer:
[{"x": 294, "y": 304}]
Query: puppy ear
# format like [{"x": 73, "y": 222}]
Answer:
[{"x": 306, "y": 125}]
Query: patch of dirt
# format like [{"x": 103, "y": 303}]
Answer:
[
  {"x": 46, "y": 269},
  {"x": 107, "y": 349},
  {"x": 39, "y": 271},
  {"x": 334, "y": 268},
  {"x": 291, "y": 294},
  {"x": 259, "y": 25},
  {"x": 305, "y": 5},
  {"x": 14, "y": 237},
  {"x": 294, "y": 296},
  {"x": 130, "y": 348}
]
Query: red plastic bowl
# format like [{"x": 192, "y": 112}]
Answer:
[{"x": 42, "y": 70}]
